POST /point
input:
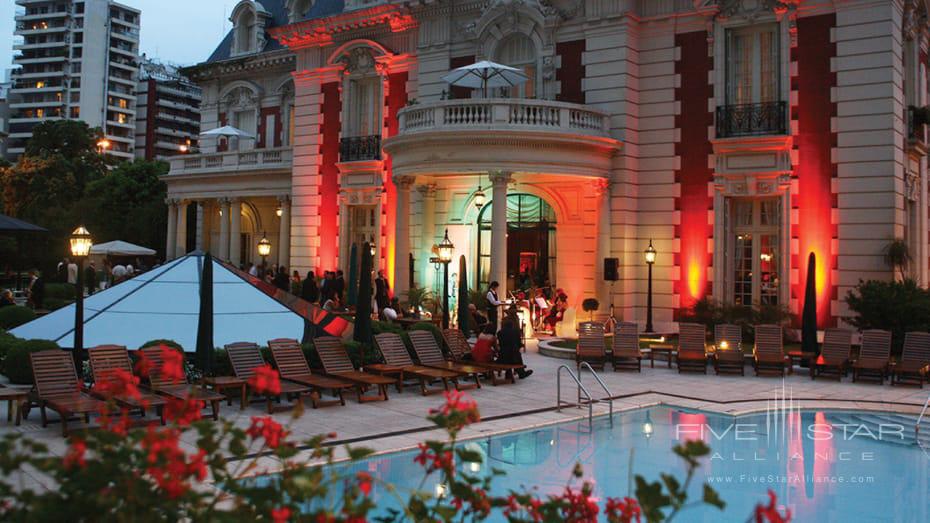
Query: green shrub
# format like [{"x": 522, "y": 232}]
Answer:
[
  {"x": 60, "y": 291},
  {"x": 431, "y": 327},
  {"x": 53, "y": 304},
  {"x": 361, "y": 354},
  {"x": 167, "y": 343},
  {"x": 710, "y": 312},
  {"x": 17, "y": 366},
  {"x": 14, "y": 315},
  {"x": 221, "y": 364},
  {"x": 7, "y": 340},
  {"x": 313, "y": 359},
  {"x": 896, "y": 306}
]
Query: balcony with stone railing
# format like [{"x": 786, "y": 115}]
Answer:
[
  {"x": 522, "y": 135},
  {"x": 232, "y": 162}
]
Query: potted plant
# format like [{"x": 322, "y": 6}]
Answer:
[
  {"x": 590, "y": 305},
  {"x": 419, "y": 298}
]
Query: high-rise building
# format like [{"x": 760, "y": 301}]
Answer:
[
  {"x": 76, "y": 59},
  {"x": 167, "y": 111}
]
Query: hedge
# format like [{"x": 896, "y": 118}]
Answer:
[
  {"x": 61, "y": 291},
  {"x": 13, "y": 316},
  {"x": 7, "y": 340},
  {"x": 17, "y": 366}
]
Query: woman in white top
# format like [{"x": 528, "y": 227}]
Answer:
[{"x": 493, "y": 303}]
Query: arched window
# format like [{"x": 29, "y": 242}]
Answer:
[
  {"x": 297, "y": 9},
  {"x": 519, "y": 51},
  {"x": 245, "y": 32},
  {"x": 531, "y": 248}
]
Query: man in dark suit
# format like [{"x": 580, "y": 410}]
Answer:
[{"x": 510, "y": 341}]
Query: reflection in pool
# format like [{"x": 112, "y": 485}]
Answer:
[{"x": 823, "y": 465}]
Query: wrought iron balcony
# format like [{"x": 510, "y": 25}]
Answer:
[
  {"x": 752, "y": 119},
  {"x": 360, "y": 148}
]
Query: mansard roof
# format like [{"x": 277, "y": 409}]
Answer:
[{"x": 279, "y": 17}]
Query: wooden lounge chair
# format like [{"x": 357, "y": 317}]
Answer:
[
  {"x": 592, "y": 347},
  {"x": 57, "y": 388},
  {"x": 397, "y": 361},
  {"x": 245, "y": 357},
  {"x": 105, "y": 358},
  {"x": 874, "y": 355},
  {"x": 728, "y": 349},
  {"x": 459, "y": 348},
  {"x": 834, "y": 355},
  {"x": 293, "y": 366},
  {"x": 337, "y": 363},
  {"x": 625, "y": 351},
  {"x": 182, "y": 391},
  {"x": 912, "y": 369},
  {"x": 769, "y": 355},
  {"x": 692, "y": 350},
  {"x": 429, "y": 354}
]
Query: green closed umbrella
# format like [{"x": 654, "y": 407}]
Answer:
[
  {"x": 809, "y": 313},
  {"x": 363, "y": 307},
  {"x": 464, "y": 315},
  {"x": 353, "y": 276},
  {"x": 205, "y": 353}
]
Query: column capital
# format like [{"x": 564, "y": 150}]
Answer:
[
  {"x": 404, "y": 182},
  {"x": 284, "y": 199},
  {"x": 171, "y": 202},
  {"x": 601, "y": 186},
  {"x": 500, "y": 178},
  {"x": 427, "y": 189},
  {"x": 224, "y": 201}
]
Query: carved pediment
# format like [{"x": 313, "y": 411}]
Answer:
[
  {"x": 239, "y": 99},
  {"x": 750, "y": 8}
]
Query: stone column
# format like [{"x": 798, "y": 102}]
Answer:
[
  {"x": 499, "y": 181},
  {"x": 402, "y": 236},
  {"x": 235, "y": 232},
  {"x": 379, "y": 197},
  {"x": 284, "y": 233},
  {"x": 200, "y": 226},
  {"x": 172, "y": 243},
  {"x": 602, "y": 286},
  {"x": 182, "y": 230},
  {"x": 345, "y": 232},
  {"x": 224, "y": 229},
  {"x": 428, "y": 236}
]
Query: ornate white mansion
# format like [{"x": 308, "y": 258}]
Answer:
[{"x": 737, "y": 135}]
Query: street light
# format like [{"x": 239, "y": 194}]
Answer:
[
  {"x": 103, "y": 145},
  {"x": 445, "y": 257},
  {"x": 371, "y": 246},
  {"x": 650, "y": 255},
  {"x": 264, "y": 249},
  {"x": 81, "y": 242}
]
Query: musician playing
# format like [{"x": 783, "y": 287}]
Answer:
[
  {"x": 493, "y": 303},
  {"x": 557, "y": 311}
]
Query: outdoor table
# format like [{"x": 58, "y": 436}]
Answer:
[
  {"x": 800, "y": 356},
  {"x": 15, "y": 398},
  {"x": 664, "y": 348},
  {"x": 223, "y": 383},
  {"x": 391, "y": 371}
]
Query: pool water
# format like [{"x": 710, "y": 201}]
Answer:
[{"x": 823, "y": 465}]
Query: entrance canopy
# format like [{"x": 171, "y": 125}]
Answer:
[
  {"x": 164, "y": 303},
  {"x": 121, "y": 248}
]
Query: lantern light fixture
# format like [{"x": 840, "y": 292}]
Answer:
[
  {"x": 81, "y": 242},
  {"x": 445, "y": 249},
  {"x": 650, "y": 254},
  {"x": 264, "y": 247},
  {"x": 479, "y": 198}
]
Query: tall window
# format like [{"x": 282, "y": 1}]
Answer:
[
  {"x": 519, "y": 51},
  {"x": 752, "y": 65},
  {"x": 245, "y": 121},
  {"x": 754, "y": 263},
  {"x": 364, "y": 107},
  {"x": 245, "y": 25}
]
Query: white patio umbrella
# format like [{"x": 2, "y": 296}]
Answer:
[
  {"x": 228, "y": 131},
  {"x": 486, "y": 74}
]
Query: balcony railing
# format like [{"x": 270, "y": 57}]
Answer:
[
  {"x": 232, "y": 161},
  {"x": 360, "y": 148},
  {"x": 752, "y": 119},
  {"x": 503, "y": 114}
]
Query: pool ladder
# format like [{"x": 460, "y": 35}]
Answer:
[
  {"x": 584, "y": 397},
  {"x": 921, "y": 417}
]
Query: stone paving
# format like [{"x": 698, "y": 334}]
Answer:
[{"x": 400, "y": 422}]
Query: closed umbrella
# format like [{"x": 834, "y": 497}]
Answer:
[
  {"x": 486, "y": 74},
  {"x": 353, "y": 276},
  {"x": 362, "y": 332},
  {"x": 809, "y": 312},
  {"x": 464, "y": 316},
  {"x": 205, "y": 356}
]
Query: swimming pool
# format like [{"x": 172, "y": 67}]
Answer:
[{"x": 823, "y": 465}]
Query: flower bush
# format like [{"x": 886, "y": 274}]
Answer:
[{"x": 148, "y": 474}]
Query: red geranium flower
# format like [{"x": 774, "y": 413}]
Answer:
[
  {"x": 172, "y": 368},
  {"x": 623, "y": 510},
  {"x": 364, "y": 482},
  {"x": 183, "y": 411},
  {"x": 280, "y": 515},
  {"x": 75, "y": 456},
  {"x": 770, "y": 514},
  {"x": 265, "y": 381},
  {"x": 266, "y": 427},
  {"x": 169, "y": 466},
  {"x": 143, "y": 365},
  {"x": 118, "y": 383}
]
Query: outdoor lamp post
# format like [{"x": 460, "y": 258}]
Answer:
[
  {"x": 264, "y": 249},
  {"x": 445, "y": 257},
  {"x": 650, "y": 254},
  {"x": 81, "y": 242},
  {"x": 372, "y": 247}
]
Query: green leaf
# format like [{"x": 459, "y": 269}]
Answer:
[
  {"x": 711, "y": 497},
  {"x": 357, "y": 453}
]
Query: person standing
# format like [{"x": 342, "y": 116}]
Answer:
[
  {"x": 281, "y": 280},
  {"x": 309, "y": 291},
  {"x": 509, "y": 343},
  {"x": 339, "y": 286},
  {"x": 37, "y": 290},
  {"x": 90, "y": 278},
  {"x": 493, "y": 303},
  {"x": 382, "y": 291},
  {"x": 72, "y": 273}
]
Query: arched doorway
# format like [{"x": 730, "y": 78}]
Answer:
[{"x": 530, "y": 242}]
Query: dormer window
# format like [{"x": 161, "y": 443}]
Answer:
[
  {"x": 297, "y": 9},
  {"x": 245, "y": 33},
  {"x": 248, "y": 20}
]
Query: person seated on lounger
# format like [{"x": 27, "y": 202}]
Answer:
[
  {"x": 510, "y": 341},
  {"x": 485, "y": 349}
]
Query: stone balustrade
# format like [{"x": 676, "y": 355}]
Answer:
[{"x": 232, "y": 161}]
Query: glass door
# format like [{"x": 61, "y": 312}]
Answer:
[{"x": 755, "y": 258}]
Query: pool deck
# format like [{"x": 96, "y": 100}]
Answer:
[{"x": 400, "y": 422}]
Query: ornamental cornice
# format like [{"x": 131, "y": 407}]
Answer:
[
  {"x": 257, "y": 62},
  {"x": 320, "y": 32}
]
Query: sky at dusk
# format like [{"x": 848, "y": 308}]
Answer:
[{"x": 177, "y": 31}]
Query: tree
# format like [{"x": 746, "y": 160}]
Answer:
[
  {"x": 898, "y": 256},
  {"x": 129, "y": 204}
]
